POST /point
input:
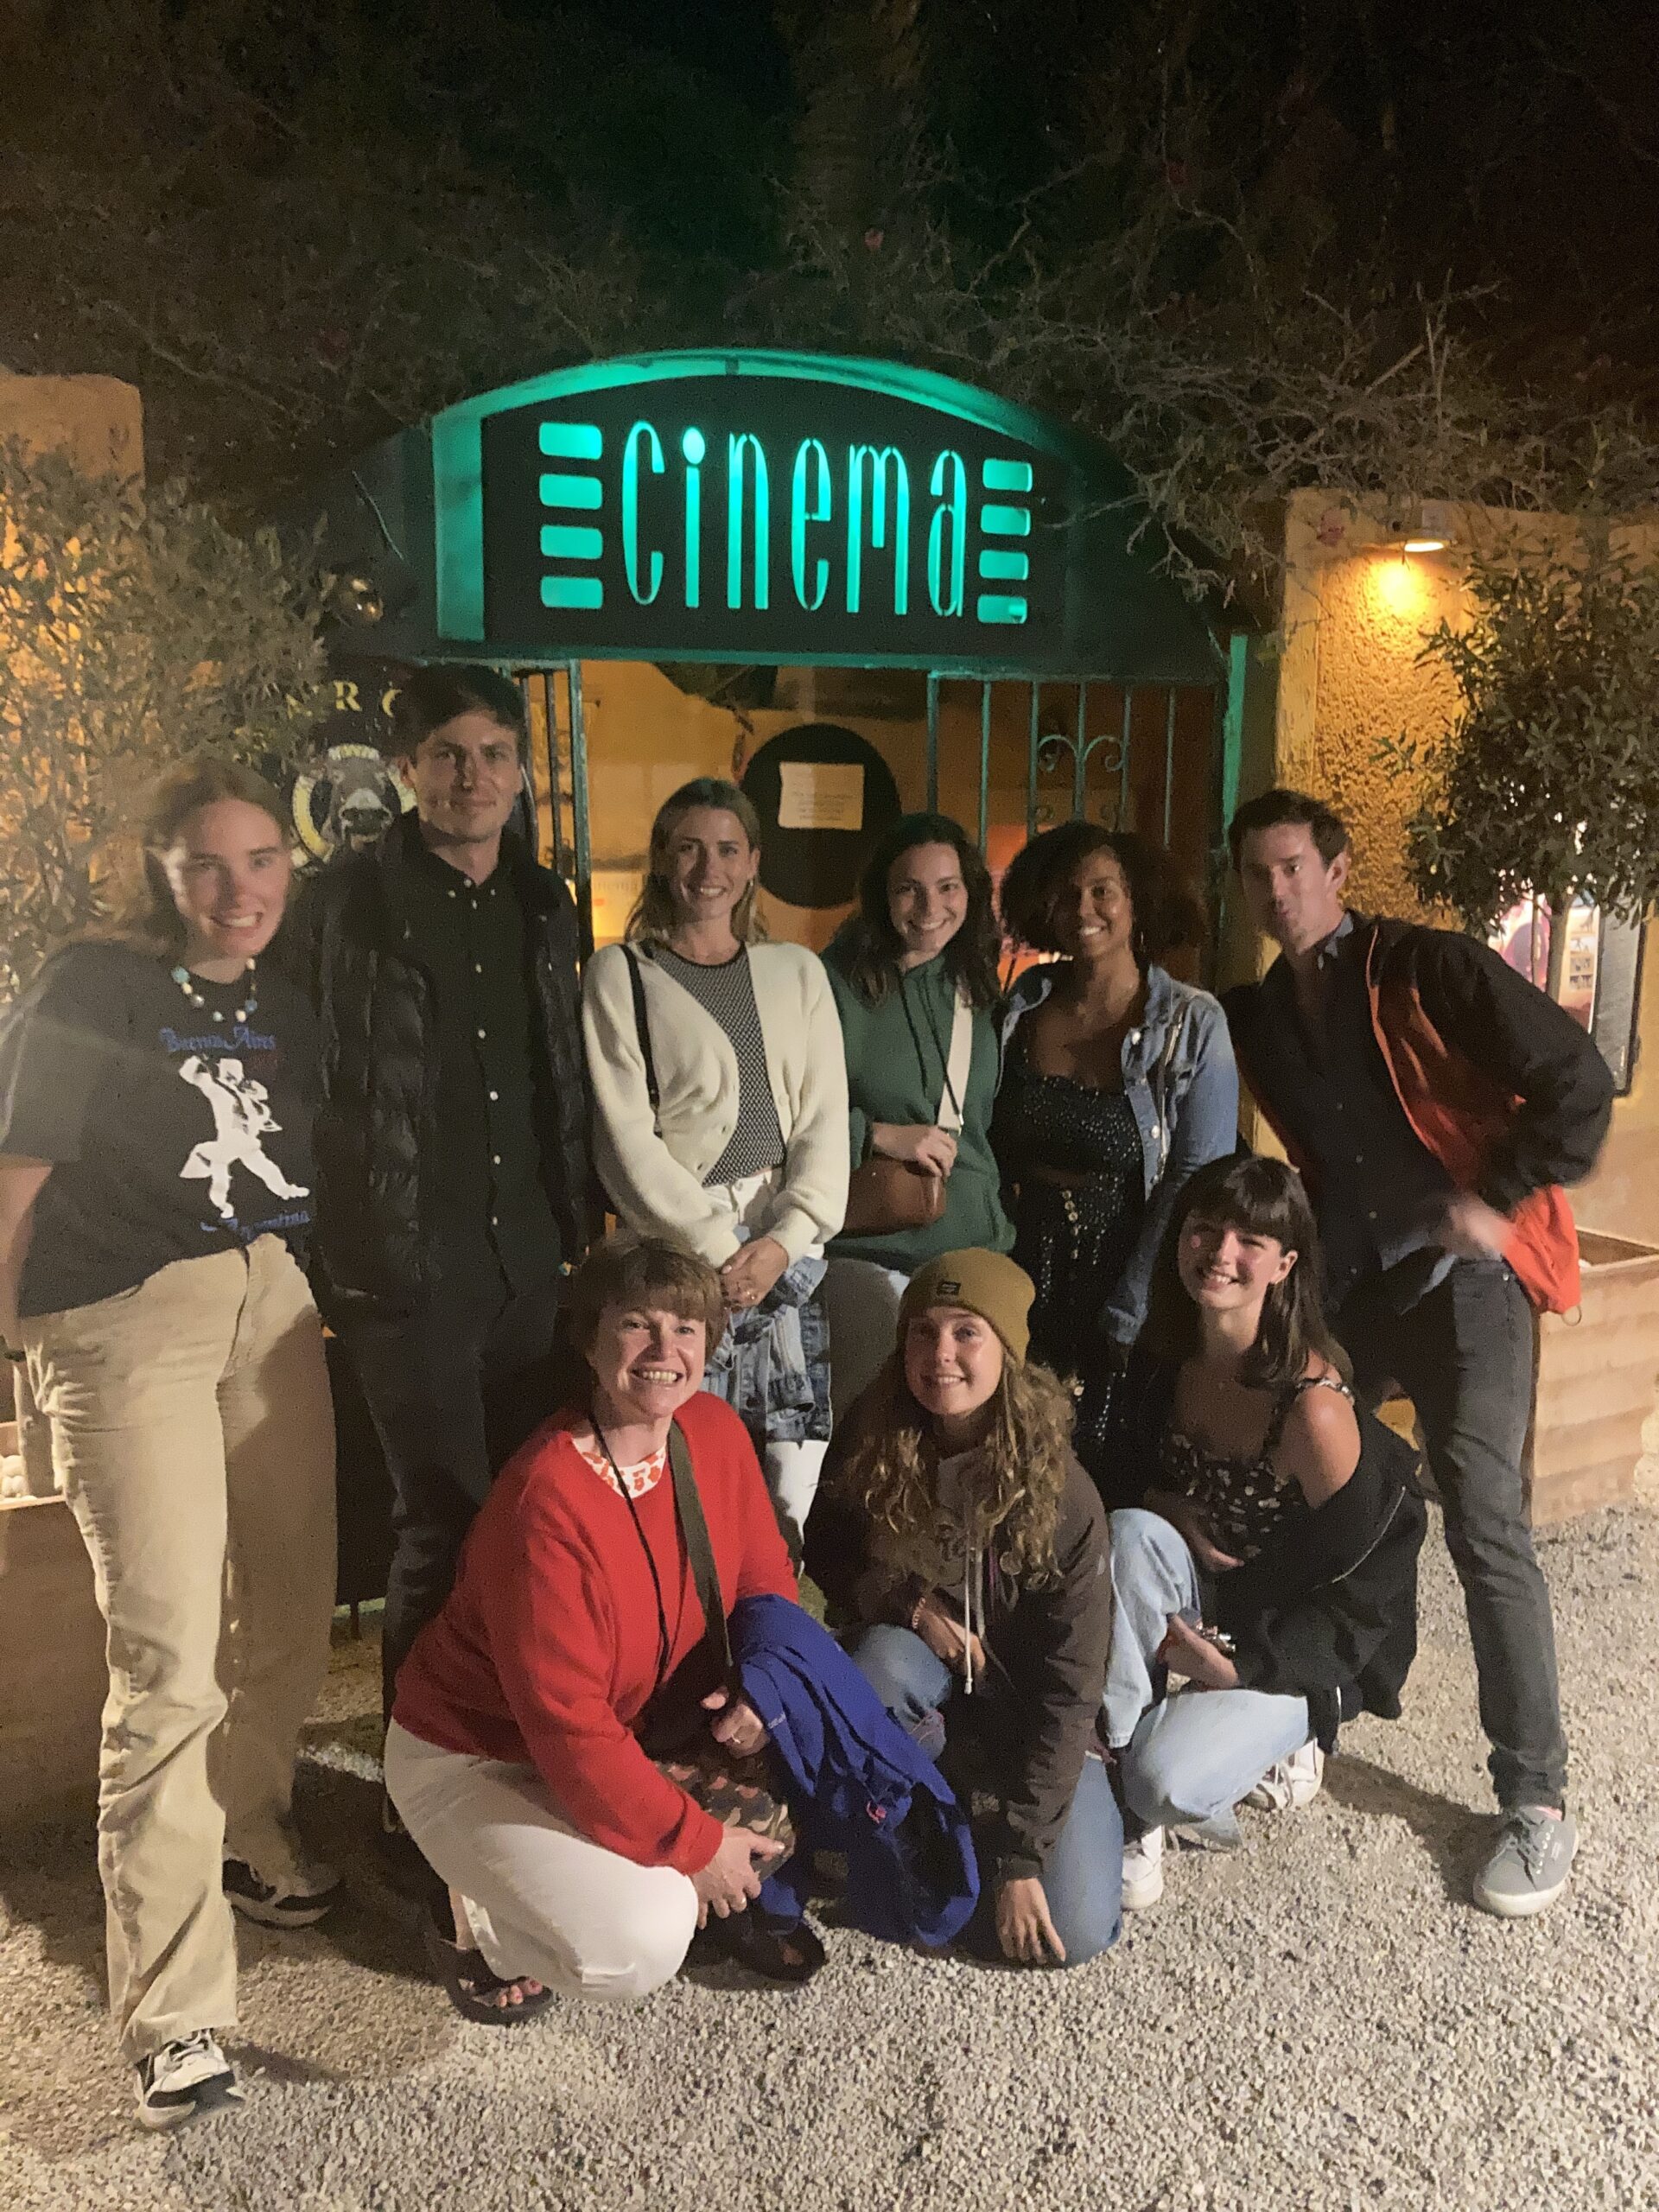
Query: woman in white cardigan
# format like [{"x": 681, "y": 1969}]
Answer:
[{"x": 719, "y": 1093}]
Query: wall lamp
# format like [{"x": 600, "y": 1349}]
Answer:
[{"x": 1426, "y": 527}]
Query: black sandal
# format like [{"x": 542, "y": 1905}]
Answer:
[
  {"x": 469, "y": 1982},
  {"x": 764, "y": 1944}
]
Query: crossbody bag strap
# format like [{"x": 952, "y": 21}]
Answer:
[
  {"x": 642, "y": 1029},
  {"x": 956, "y": 1066},
  {"x": 700, "y": 1552}
]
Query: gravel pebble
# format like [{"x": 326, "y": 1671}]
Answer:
[{"x": 1320, "y": 2024}]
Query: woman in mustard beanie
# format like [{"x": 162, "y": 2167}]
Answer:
[{"x": 954, "y": 1524}]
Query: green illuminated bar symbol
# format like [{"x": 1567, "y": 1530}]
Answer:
[
  {"x": 586, "y": 442},
  {"x": 1006, "y": 475},
  {"x": 1005, "y": 522},
  {"x": 569, "y": 491},
  {"x": 572, "y": 591},
  {"x": 561, "y": 543},
  {"x": 990, "y": 608},
  {"x": 995, "y": 566},
  {"x": 568, "y": 540}
]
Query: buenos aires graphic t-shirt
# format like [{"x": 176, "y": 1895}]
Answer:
[{"x": 173, "y": 1130}]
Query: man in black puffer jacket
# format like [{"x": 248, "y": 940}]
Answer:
[{"x": 452, "y": 1146}]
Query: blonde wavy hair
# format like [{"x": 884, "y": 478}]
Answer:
[
  {"x": 654, "y": 918},
  {"x": 892, "y": 1471}
]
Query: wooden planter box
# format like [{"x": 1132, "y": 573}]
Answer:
[
  {"x": 53, "y": 1675},
  {"x": 1598, "y": 1382}
]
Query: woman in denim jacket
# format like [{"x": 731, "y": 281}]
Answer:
[{"x": 1117, "y": 1083}]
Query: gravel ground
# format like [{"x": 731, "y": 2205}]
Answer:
[{"x": 1322, "y": 2023}]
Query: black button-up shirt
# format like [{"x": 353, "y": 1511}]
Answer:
[
  {"x": 488, "y": 1203},
  {"x": 1380, "y": 1186}
]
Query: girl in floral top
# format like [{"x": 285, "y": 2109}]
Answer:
[{"x": 1272, "y": 1565}]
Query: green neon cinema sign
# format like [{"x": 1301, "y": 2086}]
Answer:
[
  {"x": 766, "y": 507},
  {"x": 877, "y": 508}
]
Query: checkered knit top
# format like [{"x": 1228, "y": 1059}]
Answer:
[{"x": 726, "y": 993}]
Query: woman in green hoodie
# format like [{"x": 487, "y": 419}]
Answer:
[{"x": 914, "y": 976}]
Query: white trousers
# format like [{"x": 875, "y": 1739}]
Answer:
[
  {"x": 791, "y": 1472},
  {"x": 860, "y": 1303},
  {"x": 542, "y": 1900}
]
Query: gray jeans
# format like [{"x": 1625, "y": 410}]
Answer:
[{"x": 1464, "y": 1356}]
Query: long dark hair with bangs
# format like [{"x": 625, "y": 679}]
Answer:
[
  {"x": 869, "y": 948},
  {"x": 1258, "y": 1197}
]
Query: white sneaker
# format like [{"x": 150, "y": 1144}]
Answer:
[
  {"x": 1143, "y": 1871},
  {"x": 1288, "y": 1784},
  {"x": 185, "y": 2079}
]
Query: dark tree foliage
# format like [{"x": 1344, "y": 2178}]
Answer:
[
  {"x": 1252, "y": 242},
  {"x": 1547, "y": 786}
]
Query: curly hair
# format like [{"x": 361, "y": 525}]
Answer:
[
  {"x": 655, "y": 917},
  {"x": 892, "y": 1471},
  {"x": 869, "y": 946},
  {"x": 1168, "y": 912}
]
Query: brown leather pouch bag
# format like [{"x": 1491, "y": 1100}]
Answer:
[{"x": 886, "y": 1194}]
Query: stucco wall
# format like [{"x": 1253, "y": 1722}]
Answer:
[
  {"x": 1357, "y": 614},
  {"x": 98, "y": 421}
]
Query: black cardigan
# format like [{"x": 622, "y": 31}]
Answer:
[{"x": 1326, "y": 1610}]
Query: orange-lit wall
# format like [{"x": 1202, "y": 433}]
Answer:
[{"x": 1356, "y": 613}]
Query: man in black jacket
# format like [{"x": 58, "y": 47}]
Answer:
[
  {"x": 452, "y": 1148},
  {"x": 1435, "y": 1101}
]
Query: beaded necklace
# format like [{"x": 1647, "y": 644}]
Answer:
[{"x": 186, "y": 983}]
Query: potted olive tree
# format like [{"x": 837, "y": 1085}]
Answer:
[
  {"x": 135, "y": 626},
  {"x": 1546, "y": 787}
]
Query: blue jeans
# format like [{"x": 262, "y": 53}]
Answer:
[
  {"x": 1083, "y": 1879},
  {"x": 1182, "y": 1760}
]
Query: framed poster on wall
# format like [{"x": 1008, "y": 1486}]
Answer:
[{"x": 1601, "y": 985}]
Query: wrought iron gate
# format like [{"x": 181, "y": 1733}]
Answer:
[{"x": 1094, "y": 749}]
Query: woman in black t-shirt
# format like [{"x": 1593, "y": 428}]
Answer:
[{"x": 155, "y": 1177}]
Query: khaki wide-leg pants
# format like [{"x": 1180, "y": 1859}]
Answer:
[{"x": 193, "y": 1435}]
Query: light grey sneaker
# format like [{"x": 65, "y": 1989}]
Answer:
[{"x": 1528, "y": 1869}]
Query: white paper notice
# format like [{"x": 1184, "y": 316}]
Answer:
[{"x": 821, "y": 794}]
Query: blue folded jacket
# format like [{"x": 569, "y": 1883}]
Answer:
[{"x": 856, "y": 1783}]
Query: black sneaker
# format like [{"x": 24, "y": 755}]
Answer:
[
  {"x": 275, "y": 1908},
  {"x": 185, "y": 2080}
]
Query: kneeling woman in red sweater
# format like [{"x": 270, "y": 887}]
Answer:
[{"x": 572, "y": 1860}]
